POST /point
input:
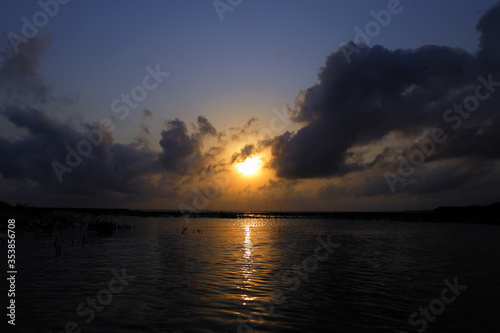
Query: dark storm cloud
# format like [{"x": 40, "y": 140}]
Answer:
[
  {"x": 110, "y": 166},
  {"x": 489, "y": 41},
  {"x": 401, "y": 92},
  {"x": 279, "y": 186},
  {"x": 19, "y": 77},
  {"x": 177, "y": 146},
  {"x": 113, "y": 171},
  {"x": 182, "y": 151},
  {"x": 30, "y": 157},
  {"x": 244, "y": 153},
  {"x": 474, "y": 181},
  {"x": 204, "y": 128},
  {"x": 378, "y": 92},
  {"x": 46, "y": 156}
]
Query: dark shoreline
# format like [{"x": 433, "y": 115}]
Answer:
[{"x": 470, "y": 214}]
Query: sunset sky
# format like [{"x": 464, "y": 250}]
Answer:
[{"x": 153, "y": 104}]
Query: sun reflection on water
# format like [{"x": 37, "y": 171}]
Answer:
[{"x": 247, "y": 263}]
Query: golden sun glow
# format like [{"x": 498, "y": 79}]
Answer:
[{"x": 250, "y": 166}]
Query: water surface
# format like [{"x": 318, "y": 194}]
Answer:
[{"x": 218, "y": 279}]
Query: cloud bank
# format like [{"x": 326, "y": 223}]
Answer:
[
  {"x": 358, "y": 123},
  {"x": 389, "y": 100}
]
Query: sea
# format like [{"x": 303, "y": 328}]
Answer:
[{"x": 152, "y": 274}]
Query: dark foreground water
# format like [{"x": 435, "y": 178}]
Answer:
[{"x": 261, "y": 275}]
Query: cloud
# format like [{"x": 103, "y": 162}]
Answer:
[
  {"x": 242, "y": 132},
  {"x": 245, "y": 152},
  {"x": 358, "y": 103},
  {"x": 281, "y": 187},
  {"x": 20, "y": 81},
  {"x": 454, "y": 182},
  {"x": 113, "y": 172},
  {"x": 489, "y": 41},
  {"x": 398, "y": 93},
  {"x": 204, "y": 128},
  {"x": 181, "y": 151},
  {"x": 177, "y": 146},
  {"x": 145, "y": 114},
  {"x": 346, "y": 121},
  {"x": 143, "y": 171},
  {"x": 109, "y": 167}
]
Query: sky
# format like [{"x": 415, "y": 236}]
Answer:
[{"x": 343, "y": 105}]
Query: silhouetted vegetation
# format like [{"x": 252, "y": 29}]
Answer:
[
  {"x": 469, "y": 214},
  {"x": 4, "y": 204},
  {"x": 104, "y": 228}
]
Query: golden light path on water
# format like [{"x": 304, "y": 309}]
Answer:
[
  {"x": 223, "y": 280},
  {"x": 247, "y": 266}
]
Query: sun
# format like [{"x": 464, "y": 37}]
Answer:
[{"x": 250, "y": 166}]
